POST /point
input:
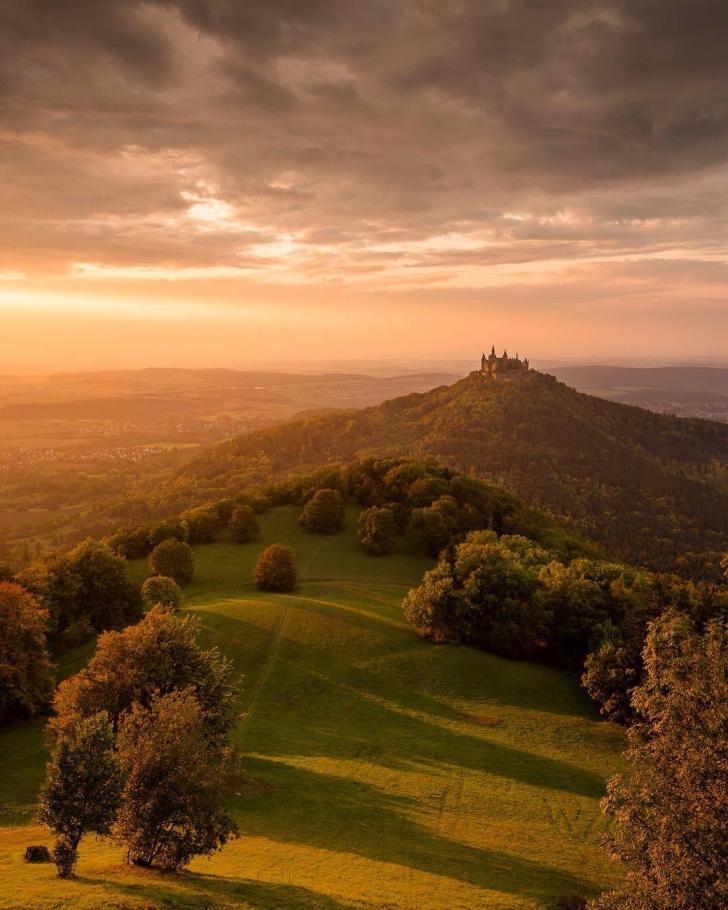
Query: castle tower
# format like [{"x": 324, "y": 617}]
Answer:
[{"x": 482, "y": 363}]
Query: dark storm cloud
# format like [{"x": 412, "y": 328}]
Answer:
[{"x": 362, "y": 125}]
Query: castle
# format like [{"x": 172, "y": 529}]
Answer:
[{"x": 511, "y": 367}]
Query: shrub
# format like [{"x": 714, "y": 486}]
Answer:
[
  {"x": 275, "y": 569},
  {"x": 173, "y": 559},
  {"x": 377, "y": 530},
  {"x": 244, "y": 524},
  {"x": 324, "y": 512},
  {"x": 26, "y": 673},
  {"x": 159, "y": 589},
  {"x": 6, "y": 571}
]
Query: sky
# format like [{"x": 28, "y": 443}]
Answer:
[{"x": 216, "y": 182}]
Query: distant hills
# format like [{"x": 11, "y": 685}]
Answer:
[
  {"x": 652, "y": 488},
  {"x": 687, "y": 391}
]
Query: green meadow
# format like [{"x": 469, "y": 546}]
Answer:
[{"x": 380, "y": 770}]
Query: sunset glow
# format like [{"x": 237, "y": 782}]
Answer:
[{"x": 404, "y": 176}]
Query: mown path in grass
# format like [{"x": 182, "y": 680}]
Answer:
[{"x": 382, "y": 771}]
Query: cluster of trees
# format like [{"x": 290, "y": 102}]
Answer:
[
  {"x": 649, "y": 487},
  {"x": 511, "y": 595},
  {"x": 138, "y": 747},
  {"x": 26, "y": 671}
]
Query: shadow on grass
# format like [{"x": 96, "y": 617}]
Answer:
[
  {"x": 347, "y": 816},
  {"x": 346, "y": 712},
  {"x": 193, "y": 891}
]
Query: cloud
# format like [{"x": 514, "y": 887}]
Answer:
[{"x": 336, "y": 141}]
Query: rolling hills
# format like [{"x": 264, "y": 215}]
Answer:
[
  {"x": 651, "y": 488},
  {"x": 381, "y": 771}
]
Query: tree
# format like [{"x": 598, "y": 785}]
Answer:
[
  {"x": 377, "y": 530},
  {"x": 433, "y": 526},
  {"x": 26, "y": 672},
  {"x": 6, "y": 571},
  {"x": 158, "y": 589},
  {"x": 244, "y": 524},
  {"x": 670, "y": 810},
  {"x": 158, "y": 655},
  {"x": 172, "y": 806},
  {"x": 84, "y": 590},
  {"x": 105, "y": 595},
  {"x": 203, "y": 523},
  {"x": 82, "y": 787},
  {"x": 173, "y": 559},
  {"x": 275, "y": 569},
  {"x": 324, "y": 513},
  {"x": 435, "y": 607}
]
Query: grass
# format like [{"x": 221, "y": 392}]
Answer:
[{"x": 382, "y": 771}]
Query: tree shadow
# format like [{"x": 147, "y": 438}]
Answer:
[
  {"x": 350, "y": 816},
  {"x": 369, "y": 715},
  {"x": 195, "y": 891}
]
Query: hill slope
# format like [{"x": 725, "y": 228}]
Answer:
[
  {"x": 652, "y": 488},
  {"x": 385, "y": 772}
]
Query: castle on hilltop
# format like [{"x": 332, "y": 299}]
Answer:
[{"x": 494, "y": 366}]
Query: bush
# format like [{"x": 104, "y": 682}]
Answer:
[
  {"x": 377, "y": 530},
  {"x": 159, "y": 589},
  {"x": 324, "y": 512},
  {"x": 173, "y": 559},
  {"x": 26, "y": 673},
  {"x": 275, "y": 569},
  {"x": 244, "y": 525}
]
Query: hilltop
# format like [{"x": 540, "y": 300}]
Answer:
[{"x": 651, "y": 488}]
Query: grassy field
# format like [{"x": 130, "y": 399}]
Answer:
[{"x": 382, "y": 771}]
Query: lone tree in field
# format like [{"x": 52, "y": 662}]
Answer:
[
  {"x": 26, "y": 673},
  {"x": 670, "y": 810},
  {"x": 275, "y": 569},
  {"x": 173, "y": 559},
  {"x": 82, "y": 787},
  {"x": 172, "y": 806},
  {"x": 324, "y": 512},
  {"x": 377, "y": 530},
  {"x": 244, "y": 525},
  {"x": 158, "y": 589}
]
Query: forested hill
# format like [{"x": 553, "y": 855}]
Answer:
[{"x": 650, "y": 487}]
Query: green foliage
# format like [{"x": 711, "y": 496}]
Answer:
[
  {"x": 583, "y": 458},
  {"x": 324, "y": 512},
  {"x": 173, "y": 559},
  {"x": 276, "y": 569},
  {"x": 84, "y": 590},
  {"x": 203, "y": 523},
  {"x": 377, "y": 529},
  {"x": 156, "y": 656},
  {"x": 172, "y": 806},
  {"x": 26, "y": 673},
  {"x": 158, "y": 589},
  {"x": 82, "y": 787},
  {"x": 482, "y": 593},
  {"x": 670, "y": 810},
  {"x": 430, "y": 751},
  {"x": 244, "y": 524}
]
